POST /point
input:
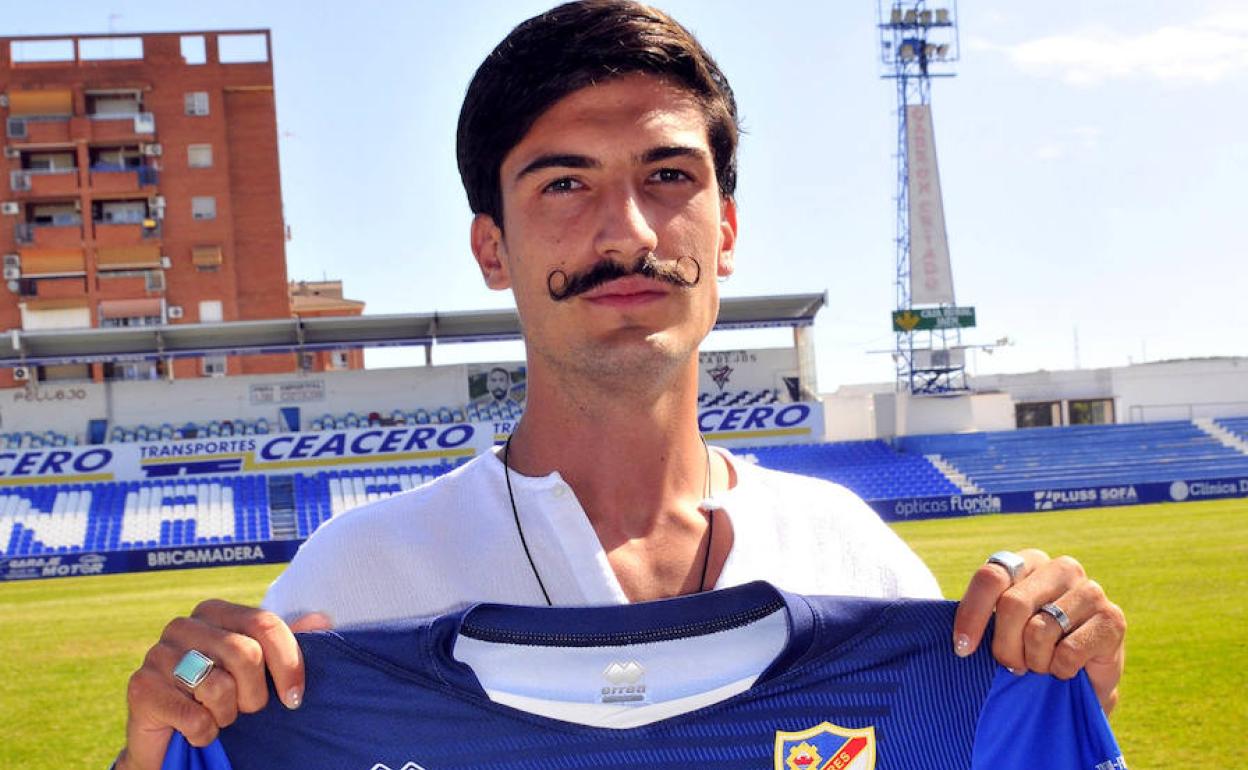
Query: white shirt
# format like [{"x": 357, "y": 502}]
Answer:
[{"x": 453, "y": 542}]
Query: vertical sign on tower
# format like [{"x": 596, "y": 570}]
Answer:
[{"x": 931, "y": 278}]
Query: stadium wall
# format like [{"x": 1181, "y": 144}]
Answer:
[
  {"x": 1153, "y": 392},
  {"x": 756, "y": 369},
  {"x": 67, "y": 407},
  {"x": 953, "y": 506},
  {"x": 1182, "y": 390}
]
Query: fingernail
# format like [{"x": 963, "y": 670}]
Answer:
[
  {"x": 1016, "y": 672},
  {"x": 961, "y": 645},
  {"x": 294, "y": 698}
]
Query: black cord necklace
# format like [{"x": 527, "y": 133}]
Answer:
[{"x": 707, "y": 506}]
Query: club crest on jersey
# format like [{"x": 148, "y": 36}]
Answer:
[{"x": 826, "y": 747}]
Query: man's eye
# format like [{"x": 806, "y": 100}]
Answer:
[
  {"x": 669, "y": 175},
  {"x": 563, "y": 184}
]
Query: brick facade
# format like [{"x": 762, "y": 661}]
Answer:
[{"x": 148, "y": 177}]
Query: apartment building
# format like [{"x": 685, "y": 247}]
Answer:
[{"x": 141, "y": 187}]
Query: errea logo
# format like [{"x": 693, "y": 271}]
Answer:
[
  {"x": 627, "y": 683},
  {"x": 407, "y": 766}
]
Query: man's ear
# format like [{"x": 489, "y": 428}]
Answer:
[
  {"x": 727, "y": 238},
  {"x": 488, "y": 248}
]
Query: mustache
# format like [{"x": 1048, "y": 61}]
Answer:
[{"x": 684, "y": 272}]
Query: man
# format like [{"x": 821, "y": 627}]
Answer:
[
  {"x": 597, "y": 145},
  {"x": 498, "y": 386}
]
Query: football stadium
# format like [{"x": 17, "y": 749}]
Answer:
[{"x": 178, "y": 416}]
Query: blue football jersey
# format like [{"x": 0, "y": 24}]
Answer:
[{"x": 850, "y": 684}]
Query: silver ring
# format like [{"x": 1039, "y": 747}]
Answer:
[
  {"x": 1058, "y": 614},
  {"x": 193, "y": 669},
  {"x": 1012, "y": 562}
]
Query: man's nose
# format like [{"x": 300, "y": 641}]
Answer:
[{"x": 624, "y": 230}]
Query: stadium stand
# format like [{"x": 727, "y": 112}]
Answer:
[
  {"x": 1083, "y": 455},
  {"x": 249, "y": 508},
  {"x": 440, "y": 415},
  {"x": 1238, "y": 426},
  {"x": 872, "y": 469},
  {"x": 738, "y": 398},
  {"x": 210, "y": 429},
  {"x": 118, "y": 516},
  {"x": 30, "y": 440}
]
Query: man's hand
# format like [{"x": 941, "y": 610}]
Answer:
[
  {"x": 242, "y": 642},
  {"x": 1027, "y": 639}
]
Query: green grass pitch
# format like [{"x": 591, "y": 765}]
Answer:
[{"x": 1179, "y": 570}]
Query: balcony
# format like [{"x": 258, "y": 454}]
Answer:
[
  {"x": 126, "y": 233},
  {"x": 39, "y": 129},
  {"x": 122, "y": 284},
  {"x": 41, "y": 182},
  {"x": 59, "y": 288},
  {"x": 57, "y": 235},
  {"x": 121, "y": 125},
  {"x": 117, "y": 179}
]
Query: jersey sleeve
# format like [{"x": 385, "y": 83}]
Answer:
[
  {"x": 183, "y": 756},
  {"x": 1037, "y": 720}
]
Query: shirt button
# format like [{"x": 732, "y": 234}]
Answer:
[{"x": 560, "y": 491}]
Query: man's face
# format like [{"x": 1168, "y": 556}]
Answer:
[
  {"x": 498, "y": 383},
  {"x": 611, "y": 172}
]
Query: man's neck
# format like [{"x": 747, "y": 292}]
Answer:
[{"x": 630, "y": 457}]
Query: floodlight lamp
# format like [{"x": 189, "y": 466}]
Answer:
[
  {"x": 895, "y": 16},
  {"x": 942, "y": 50},
  {"x": 942, "y": 15},
  {"x": 907, "y": 52},
  {"x": 910, "y": 16},
  {"x": 925, "y": 18}
]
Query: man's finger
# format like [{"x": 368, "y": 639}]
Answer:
[
  {"x": 1048, "y": 582},
  {"x": 277, "y": 642},
  {"x": 217, "y": 691},
  {"x": 312, "y": 621},
  {"x": 1097, "y": 645},
  {"x": 1043, "y": 632},
  {"x": 987, "y": 585},
  {"x": 157, "y": 707},
  {"x": 234, "y": 655}
]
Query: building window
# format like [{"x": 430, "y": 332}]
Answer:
[
  {"x": 193, "y": 49},
  {"x": 1092, "y": 411},
  {"x": 132, "y": 370},
  {"x": 214, "y": 366},
  {"x": 197, "y": 103},
  {"x": 210, "y": 311},
  {"x": 339, "y": 359},
  {"x": 199, "y": 156},
  {"x": 203, "y": 207},
  {"x": 143, "y": 320},
  {"x": 1038, "y": 414}
]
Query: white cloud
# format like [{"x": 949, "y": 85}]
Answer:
[
  {"x": 1207, "y": 50},
  {"x": 1069, "y": 142}
]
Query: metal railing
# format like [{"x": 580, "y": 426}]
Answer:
[
  {"x": 19, "y": 181},
  {"x": 144, "y": 122},
  {"x": 16, "y": 128}
]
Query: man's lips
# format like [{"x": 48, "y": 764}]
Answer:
[{"x": 629, "y": 290}]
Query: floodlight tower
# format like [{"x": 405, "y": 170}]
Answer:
[{"x": 918, "y": 42}]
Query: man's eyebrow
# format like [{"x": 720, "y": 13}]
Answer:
[
  {"x": 557, "y": 160},
  {"x": 656, "y": 154}
]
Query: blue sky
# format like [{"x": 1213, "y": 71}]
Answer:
[{"x": 1093, "y": 163}]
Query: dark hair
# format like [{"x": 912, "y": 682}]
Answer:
[
  {"x": 568, "y": 48},
  {"x": 499, "y": 369}
]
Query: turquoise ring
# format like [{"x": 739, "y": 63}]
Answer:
[{"x": 193, "y": 669}]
